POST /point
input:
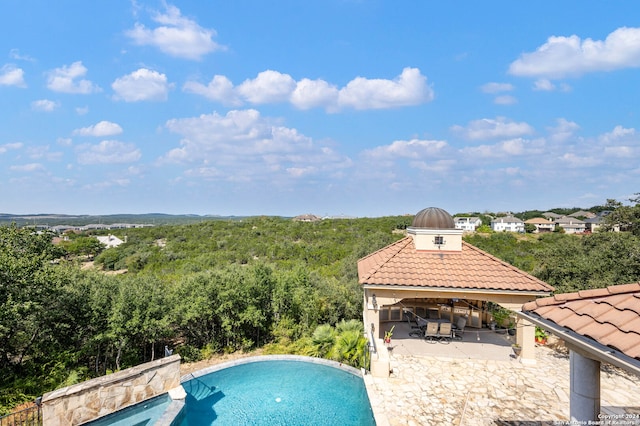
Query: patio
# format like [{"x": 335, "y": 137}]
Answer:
[
  {"x": 442, "y": 385},
  {"x": 475, "y": 344}
]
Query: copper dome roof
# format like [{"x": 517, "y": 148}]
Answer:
[{"x": 434, "y": 218}]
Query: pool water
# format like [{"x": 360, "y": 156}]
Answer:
[
  {"x": 144, "y": 413},
  {"x": 277, "y": 392}
]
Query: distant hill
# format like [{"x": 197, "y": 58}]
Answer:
[{"x": 48, "y": 219}]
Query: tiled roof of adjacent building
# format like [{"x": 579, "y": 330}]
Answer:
[
  {"x": 610, "y": 316},
  {"x": 400, "y": 264},
  {"x": 539, "y": 220}
]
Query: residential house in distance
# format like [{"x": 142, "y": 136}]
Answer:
[
  {"x": 541, "y": 224},
  {"x": 552, "y": 215},
  {"x": 306, "y": 218},
  {"x": 582, "y": 213},
  {"x": 507, "y": 223},
  {"x": 592, "y": 224},
  {"x": 110, "y": 240},
  {"x": 467, "y": 223},
  {"x": 571, "y": 225}
]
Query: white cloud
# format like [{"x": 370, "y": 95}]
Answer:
[
  {"x": 27, "y": 168},
  {"x": 505, "y": 100},
  {"x": 268, "y": 87},
  {"x": 15, "y": 54},
  {"x": 176, "y": 35},
  {"x": 314, "y": 93},
  {"x": 563, "y": 131},
  {"x": 493, "y": 129},
  {"x": 142, "y": 85},
  {"x": 243, "y": 146},
  {"x": 620, "y": 151},
  {"x": 38, "y": 152},
  {"x": 410, "y": 88},
  {"x": 12, "y": 76},
  {"x": 576, "y": 161},
  {"x": 619, "y": 133},
  {"x": 45, "y": 105},
  {"x": 544, "y": 85},
  {"x": 496, "y": 87},
  {"x": 101, "y": 129},
  {"x": 64, "y": 141},
  {"x": 68, "y": 79},
  {"x": 108, "y": 152},
  {"x": 219, "y": 89},
  {"x": 622, "y": 143},
  {"x": 413, "y": 149},
  {"x": 504, "y": 149},
  {"x": 570, "y": 56},
  {"x": 10, "y": 146},
  {"x": 82, "y": 110}
]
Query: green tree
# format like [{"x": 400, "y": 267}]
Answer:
[
  {"x": 84, "y": 246},
  {"x": 25, "y": 292},
  {"x": 624, "y": 217}
]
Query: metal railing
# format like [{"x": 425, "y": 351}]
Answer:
[{"x": 30, "y": 416}]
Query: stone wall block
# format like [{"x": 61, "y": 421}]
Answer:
[{"x": 104, "y": 395}]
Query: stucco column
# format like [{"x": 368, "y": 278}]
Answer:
[
  {"x": 525, "y": 337},
  {"x": 380, "y": 363},
  {"x": 585, "y": 388}
]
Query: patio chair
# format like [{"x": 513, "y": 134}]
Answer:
[
  {"x": 458, "y": 328},
  {"x": 445, "y": 333},
  {"x": 419, "y": 328},
  {"x": 431, "y": 332}
]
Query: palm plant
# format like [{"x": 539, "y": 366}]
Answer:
[
  {"x": 323, "y": 340},
  {"x": 350, "y": 347}
]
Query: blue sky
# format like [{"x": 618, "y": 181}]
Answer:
[{"x": 332, "y": 107}]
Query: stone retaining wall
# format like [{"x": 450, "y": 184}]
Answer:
[{"x": 104, "y": 395}]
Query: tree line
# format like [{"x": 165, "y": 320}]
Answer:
[{"x": 200, "y": 289}]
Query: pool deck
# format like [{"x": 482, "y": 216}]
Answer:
[{"x": 480, "y": 382}]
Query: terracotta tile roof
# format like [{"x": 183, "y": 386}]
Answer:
[
  {"x": 400, "y": 264},
  {"x": 610, "y": 316},
  {"x": 539, "y": 220}
]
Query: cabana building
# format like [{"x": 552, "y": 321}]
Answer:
[{"x": 433, "y": 273}]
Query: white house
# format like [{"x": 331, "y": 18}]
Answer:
[
  {"x": 571, "y": 225},
  {"x": 507, "y": 223},
  {"x": 110, "y": 240},
  {"x": 541, "y": 224},
  {"x": 467, "y": 223}
]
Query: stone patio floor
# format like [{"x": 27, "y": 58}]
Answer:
[{"x": 427, "y": 389}]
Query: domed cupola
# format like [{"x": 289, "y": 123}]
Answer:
[
  {"x": 434, "y": 218},
  {"x": 434, "y": 229}
]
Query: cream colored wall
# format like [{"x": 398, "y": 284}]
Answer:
[{"x": 424, "y": 239}]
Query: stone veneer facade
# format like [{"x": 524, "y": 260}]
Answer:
[{"x": 104, "y": 395}]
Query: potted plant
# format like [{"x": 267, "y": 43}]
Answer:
[
  {"x": 541, "y": 336},
  {"x": 516, "y": 349},
  {"x": 500, "y": 315},
  {"x": 388, "y": 334}
]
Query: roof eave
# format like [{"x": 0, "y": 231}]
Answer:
[
  {"x": 455, "y": 289},
  {"x": 590, "y": 346}
]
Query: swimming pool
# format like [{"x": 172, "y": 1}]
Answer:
[
  {"x": 144, "y": 413},
  {"x": 276, "y": 391}
]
